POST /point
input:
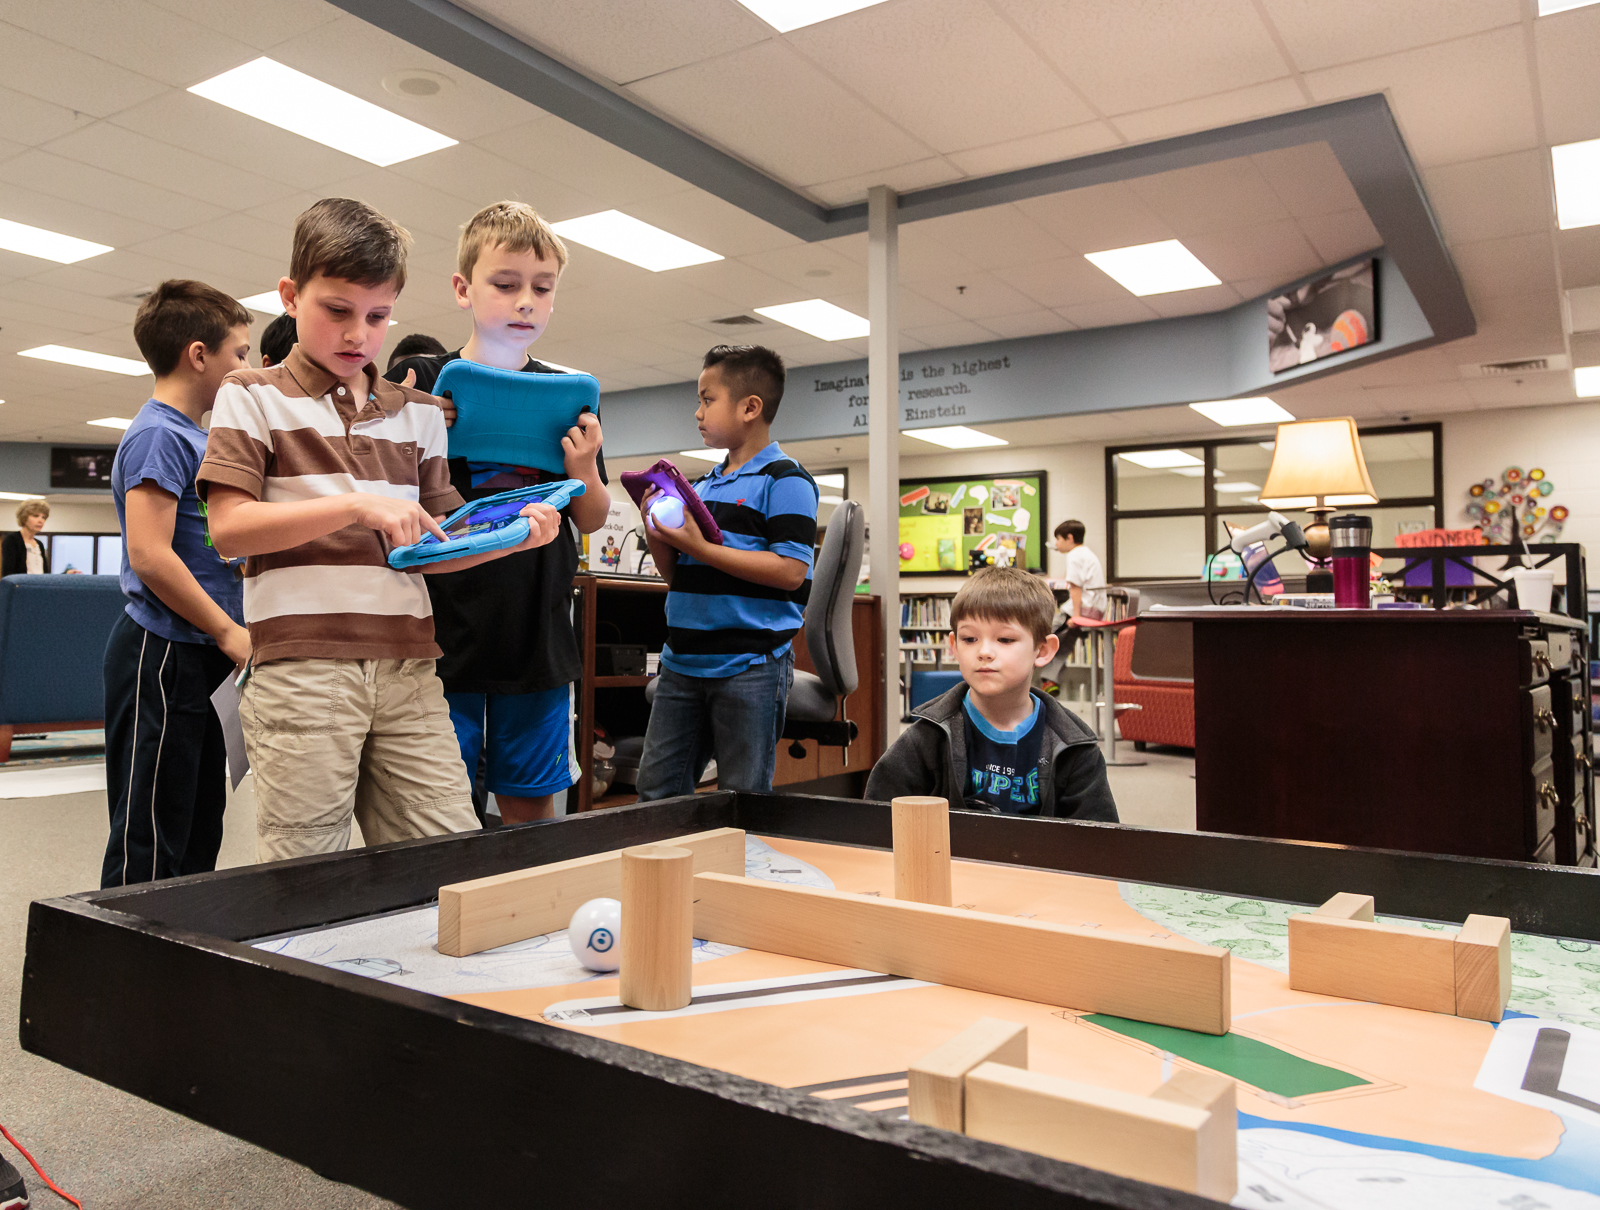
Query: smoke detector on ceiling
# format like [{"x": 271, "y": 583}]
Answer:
[
  {"x": 1522, "y": 365},
  {"x": 737, "y": 321},
  {"x": 416, "y": 83}
]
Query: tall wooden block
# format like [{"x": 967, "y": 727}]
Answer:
[
  {"x": 1165, "y": 981},
  {"x": 1345, "y": 906},
  {"x": 1483, "y": 967},
  {"x": 921, "y": 850},
  {"x": 657, "y": 927},
  {"x": 1156, "y": 1139},
  {"x": 937, "y": 1081},
  {"x": 485, "y": 912},
  {"x": 1392, "y": 964}
]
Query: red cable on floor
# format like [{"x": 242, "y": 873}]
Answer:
[{"x": 43, "y": 1176}]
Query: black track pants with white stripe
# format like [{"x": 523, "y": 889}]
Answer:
[{"x": 166, "y": 763}]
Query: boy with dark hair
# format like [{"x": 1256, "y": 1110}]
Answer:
[
  {"x": 315, "y": 469},
  {"x": 277, "y": 338},
  {"x": 733, "y": 610},
  {"x": 418, "y": 344},
  {"x": 183, "y": 629},
  {"x": 993, "y": 743},
  {"x": 1086, "y": 579},
  {"x": 510, "y": 654}
]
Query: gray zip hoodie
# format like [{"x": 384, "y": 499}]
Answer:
[{"x": 931, "y": 758}]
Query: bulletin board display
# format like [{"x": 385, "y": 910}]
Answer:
[{"x": 957, "y": 526}]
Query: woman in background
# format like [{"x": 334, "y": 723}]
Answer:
[{"x": 22, "y": 552}]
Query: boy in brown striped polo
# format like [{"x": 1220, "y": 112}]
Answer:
[{"x": 315, "y": 469}]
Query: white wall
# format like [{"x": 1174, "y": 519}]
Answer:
[{"x": 74, "y": 519}]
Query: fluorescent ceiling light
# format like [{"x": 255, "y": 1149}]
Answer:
[
  {"x": 304, "y": 105},
  {"x": 1160, "y": 460},
  {"x": 86, "y": 360},
  {"x": 834, "y": 480},
  {"x": 1158, "y": 268},
  {"x": 1290, "y": 502},
  {"x": 1238, "y": 487},
  {"x": 1587, "y": 381},
  {"x": 111, "y": 422},
  {"x": 1361, "y": 498},
  {"x": 1546, "y": 7},
  {"x": 1190, "y": 472},
  {"x": 1268, "y": 445},
  {"x": 18, "y": 496},
  {"x": 268, "y": 302},
  {"x": 817, "y": 318},
  {"x": 47, "y": 245},
  {"x": 1231, "y": 412},
  {"x": 956, "y": 437},
  {"x": 626, "y": 238},
  {"x": 1577, "y": 172},
  {"x": 830, "y": 499},
  {"x": 704, "y": 455},
  {"x": 784, "y": 15}
]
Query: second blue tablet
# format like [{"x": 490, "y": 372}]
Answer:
[{"x": 513, "y": 417}]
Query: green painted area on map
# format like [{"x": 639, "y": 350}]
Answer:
[{"x": 1255, "y": 1063}]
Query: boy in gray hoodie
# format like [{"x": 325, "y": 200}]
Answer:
[{"x": 994, "y": 743}]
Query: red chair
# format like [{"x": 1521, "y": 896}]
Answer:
[{"x": 1167, "y": 714}]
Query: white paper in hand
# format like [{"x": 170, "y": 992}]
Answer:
[{"x": 225, "y": 701}]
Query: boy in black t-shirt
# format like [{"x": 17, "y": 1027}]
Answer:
[
  {"x": 993, "y": 743},
  {"x": 510, "y": 655}
]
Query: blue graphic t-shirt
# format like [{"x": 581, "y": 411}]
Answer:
[
  {"x": 1003, "y": 766},
  {"x": 164, "y": 447}
]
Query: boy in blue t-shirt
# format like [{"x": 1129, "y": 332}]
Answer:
[
  {"x": 183, "y": 629},
  {"x": 993, "y": 743},
  {"x": 734, "y": 609}
]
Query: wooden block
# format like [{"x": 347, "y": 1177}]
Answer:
[
  {"x": 1483, "y": 967},
  {"x": 1392, "y": 964},
  {"x": 1203, "y": 1089},
  {"x": 1166, "y": 981},
  {"x": 1345, "y": 906},
  {"x": 485, "y": 912},
  {"x": 921, "y": 850},
  {"x": 936, "y": 1082},
  {"x": 657, "y": 927},
  {"x": 1154, "y": 1139}
]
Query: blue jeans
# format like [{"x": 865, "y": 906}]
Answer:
[{"x": 738, "y": 719}]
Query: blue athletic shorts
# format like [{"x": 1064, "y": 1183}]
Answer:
[{"x": 529, "y": 738}]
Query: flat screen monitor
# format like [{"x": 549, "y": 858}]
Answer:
[{"x": 81, "y": 466}]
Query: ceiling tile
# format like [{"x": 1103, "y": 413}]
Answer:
[
  {"x": 1568, "y": 47},
  {"x": 976, "y": 296},
  {"x": 1065, "y": 144},
  {"x": 930, "y": 67},
  {"x": 1135, "y": 54},
  {"x": 52, "y": 72},
  {"x": 1266, "y": 249},
  {"x": 1483, "y": 199},
  {"x": 575, "y": 158},
  {"x": 469, "y": 172},
  {"x": 1063, "y": 282},
  {"x": 697, "y": 216},
  {"x": 774, "y": 108},
  {"x": 85, "y": 278},
  {"x": 1107, "y": 313},
  {"x": 413, "y": 205},
  {"x": 227, "y": 268},
  {"x": 1029, "y": 323},
  {"x": 1534, "y": 389},
  {"x": 1520, "y": 264},
  {"x": 135, "y": 35},
  {"x": 70, "y": 217},
  {"x": 1098, "y": 218},
  {"x": 1307, "y": 179},
  {"x": 1211, "y": 197},
  {"x": 1193, "y": 302},
  {"x": 73, "y": 179},
  {"x": 261, "y": 23},
  {"x": 995, "y": 237},
  {"x": 793, "y": 265},
  {"x": 945, "y": 336},
  {"x": 1338, "y": 237},
  {"x": 29, "y": 120},
  {"x": 1207, "y": 113},
  {"x": 1579, "y": 253},
  {"x": 1365, "y": 29},
  {"x": 741, "y": 286},
  {"x": 622, "y": 43},
  {"x": 222, "y": 135},
  {"x": 1462, "y": 100},
  {"x": 902, "y": 178},
  {"x": 912, "y": 310}
]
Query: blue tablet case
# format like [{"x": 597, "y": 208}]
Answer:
[
  {"x": 484, "y": 525},
  {"x": 514, "y": 417}
]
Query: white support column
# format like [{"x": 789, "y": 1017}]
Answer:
[{"x": 883, "y": 436}]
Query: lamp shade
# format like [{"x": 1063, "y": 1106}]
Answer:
[{"x": 1315, "y": 461}]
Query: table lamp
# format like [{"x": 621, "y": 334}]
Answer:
[{"x": 1317, "y": 465}]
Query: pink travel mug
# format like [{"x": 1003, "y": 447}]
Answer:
[{"x": 1351, "y": 539}]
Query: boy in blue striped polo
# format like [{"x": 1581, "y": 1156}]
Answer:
[{"x": 733, "y": 610}]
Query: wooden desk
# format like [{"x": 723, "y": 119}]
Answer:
[
  {"x": 624, "y": 609},
  {"x": 1464, "y": 732}
]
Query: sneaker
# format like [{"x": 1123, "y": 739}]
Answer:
[{"x": 13, "y": 1193}]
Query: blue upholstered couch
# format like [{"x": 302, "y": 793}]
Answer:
[{"x": 53, "y": 632}]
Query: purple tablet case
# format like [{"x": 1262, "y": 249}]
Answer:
[{"x": 671, "y": 481}]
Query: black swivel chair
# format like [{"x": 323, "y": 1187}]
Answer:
[{"x": 815, "y": 699}]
